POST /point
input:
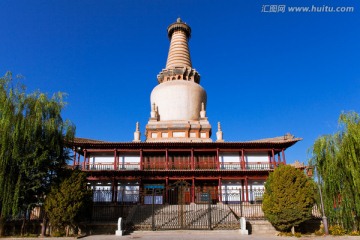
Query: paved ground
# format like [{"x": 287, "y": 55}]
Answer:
[
  {"x": 204, "y": 235},
  {"x": 196, "y": 235}
]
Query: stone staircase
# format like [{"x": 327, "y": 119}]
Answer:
[
  {"x": 260, "y": 227},
  {"x": 193, "y": 216}
]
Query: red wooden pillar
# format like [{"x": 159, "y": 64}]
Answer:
[
  {"x": 246, "y": 189},
  {"x": 192, "y": 160},
  {"x": 217, "y": 162},
  {"x": 141, "y": 160},
  {"x": 141, "y": 195},
  {"x": 193, "y": 190},
  {"x": 166, "y": 190},
  {"x": 242, "y": 159},
  {"x": 220, "y": 190},
  {"x": 84, "y": 162},
  {"x": 115, "y": 157},
  {"x": 74, "y": 149},
  {"x": 273, "y": 157},
  {"x": 242, "y": 192},
  {"x": 279, "y": 159},
  {"x": 114, "y": 191},
  {"x": 283, "y": 156},
  {"x": 166, "y": 159}
]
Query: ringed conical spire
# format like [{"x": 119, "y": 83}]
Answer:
[
  {"x": 178, "y": 64},
  {"x": 179, "y": 54}
]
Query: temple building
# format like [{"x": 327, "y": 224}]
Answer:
[{"x": 178, "y": 148}]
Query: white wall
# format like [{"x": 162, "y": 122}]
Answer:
[
  {"x": 225, "y": 158},
  {"x": 130, "y": 161},
  {"x": 256, "y": 157},
  {"x": 102, "y": 159},
  {"x": 132, "y": 158}
]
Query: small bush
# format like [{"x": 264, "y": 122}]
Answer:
[
  {"x": 337, "y": 230},
  {"x": 319, "y": 232},
  {"x": 289, "y": 234},
  {"x": 354, "y": 233},
  {"x": 58, "y": 234},
  {"x": 285, "y": 234}
]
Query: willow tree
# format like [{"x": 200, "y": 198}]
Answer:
[
  {"x": 32, "y": 146},
  {"x": 11, "y": 106},
  {"x": 337, "y": 161}
]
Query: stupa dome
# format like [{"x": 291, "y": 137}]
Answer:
[{"x": 178, "y": 100}]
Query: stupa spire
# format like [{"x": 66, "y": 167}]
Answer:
[
  {"x": 179, "y": 54},
  {"x": 178, "y": 64}
]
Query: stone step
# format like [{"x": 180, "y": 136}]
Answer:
[{"x": 262, "y": 227}]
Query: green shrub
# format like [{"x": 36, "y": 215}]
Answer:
[
  {"x": 289, "y": 234},
  {"x": 354, "y": 233},
  {"x": 58, "y": 234},
  {"x": 285, "y": 234},
  {"x": 288, "y": 198},
  {"x": 337, "y": 230},
  {"x": 69, "y": 203},
  {"x": 320, "y": 232}
]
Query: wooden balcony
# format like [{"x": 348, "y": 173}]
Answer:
[{"x": 184, "y": 166}]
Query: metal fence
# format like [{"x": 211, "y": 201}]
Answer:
[{"x": 180, "y": 207}]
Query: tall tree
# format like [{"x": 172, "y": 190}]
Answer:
[
  {"x": 68, "y": 203},
  {"x": 337, "y": 161},
  {"x": 32, "y": 146},
  {"x": 11, "y": 107},
  {"x": 288, "y": 198}
]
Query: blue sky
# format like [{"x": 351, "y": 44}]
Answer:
[{"x": 265, "y": 73}]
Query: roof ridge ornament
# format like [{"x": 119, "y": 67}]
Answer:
[
  {"x": 137, "y": 133},
  {"x": 219, "y": 134}
]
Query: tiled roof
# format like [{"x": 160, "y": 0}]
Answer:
[
  {"x": 87, "y": 141},
  {"x": 281, "y": 139},
  {"x": 276, "y": 142}
]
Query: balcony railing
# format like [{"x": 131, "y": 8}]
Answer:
[
  {"x": 171, "y": 166},
  {"x": 99, "y": 166},
  {"x": 230, "y": 166},
  {"x": 258, "y": 166}
]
